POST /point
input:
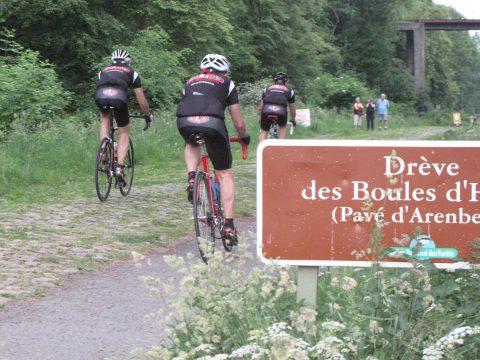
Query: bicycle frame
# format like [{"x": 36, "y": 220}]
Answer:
[
  {"x": 111, "y": 137},
  {"x": 205, "y": 163}
]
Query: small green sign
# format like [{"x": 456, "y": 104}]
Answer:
[{"x": 422, "y": 248}]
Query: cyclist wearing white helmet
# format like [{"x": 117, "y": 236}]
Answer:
[
  {"x": 202, "y": 110},
  {"x": 275, "y": 99},
  {"x": 112, "y": 92}
]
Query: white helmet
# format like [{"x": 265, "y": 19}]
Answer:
[
  {"x": 121, "y": 55},
  {"x": 215, "y": 62}
]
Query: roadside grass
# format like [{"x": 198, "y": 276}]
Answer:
[{"x": 56, "y": 163}]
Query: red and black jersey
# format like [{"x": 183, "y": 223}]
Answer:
[
  {"x": 120, "y": 76},
  {"x": 278, "y": 94},
  {"x": 207, "y": 95}
]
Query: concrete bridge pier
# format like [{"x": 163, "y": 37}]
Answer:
[{"x": 416, "y": 53}]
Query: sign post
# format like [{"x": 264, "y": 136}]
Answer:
[
  {"x": 318, "y": 202},
  {"x": 307, "y": 285}
]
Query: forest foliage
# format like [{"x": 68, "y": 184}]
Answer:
[{"x": 332, "y": 50}]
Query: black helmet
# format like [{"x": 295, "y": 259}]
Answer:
[{"x": 280, "y": 76}]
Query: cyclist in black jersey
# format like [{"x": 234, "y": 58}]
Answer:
[
  {"x": 114, "y": 81},
  {"x": 202, "y": 109},
  {"x": 275, "y": 99}
]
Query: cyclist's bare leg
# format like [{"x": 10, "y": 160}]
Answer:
[
  {"x": 225, "y": 177},
  {"x": 123, "y": 142},
  {"x": 192, "y": 156},
  {"x": 105, "y": 126},
  {"x": 282, "y": 132},
  {"x": 263, "y": 136}
]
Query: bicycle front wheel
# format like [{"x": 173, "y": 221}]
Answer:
[
  {"x": 203, "y": 216},
  {"x": 128, "y": 170},
  {"x": 104, "y": 169}
]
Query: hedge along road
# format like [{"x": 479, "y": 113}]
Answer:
[{"x": 99, "y": 315}]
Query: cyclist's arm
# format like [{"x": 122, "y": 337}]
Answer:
[
  {"x": 293, "y": 111},
  {"x": 142, "y": 100},
  {"x": 237, "y": 119}
]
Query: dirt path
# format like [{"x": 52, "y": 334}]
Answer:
[{"x": 94, "y": 316}]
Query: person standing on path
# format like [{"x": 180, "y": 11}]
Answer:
[
  {"x": 383, "y": 105},
  {"x": 371, "y": 114},
  {"x": 357, "y": 112}
]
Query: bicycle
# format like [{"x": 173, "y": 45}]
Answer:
[
  {"x": 106, "y": 161},
  {"x": 207, "y": 207},
  {"x": 273, "y": 131}
]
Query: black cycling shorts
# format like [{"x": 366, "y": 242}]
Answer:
[
  {"x": 107, "y": 97},
  {"x": 272, "y": 112},
  {"x": 216, "y": 138}
]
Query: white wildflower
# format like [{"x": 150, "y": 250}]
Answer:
[
  {"x": 204, "y": 348},
  {"x": 332, "y": 326},
  {"x": 216, "y": 357},
  {"x": 374, "y": 327},
  {"x": 216, "y": 339},
  {"x": 284, "y": 279},
  {"x": 266, "y": 289},
  {"x": 278, "y": 328},
  {"x": 250, "y": 351},
  {"x": 335, "y": 282},
  {"x": 455, "y": 337},
  {"x": 329, "y": 348},
  {"x": 348, "y": 283}
]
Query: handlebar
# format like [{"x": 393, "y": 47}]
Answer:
[
  {"x": 147, "y": 124},
  {"x": 244, "y": 146}
]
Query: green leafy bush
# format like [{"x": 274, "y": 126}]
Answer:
[
  {"x": 335, "y": 91},
  {"x": 30, "y": 92},
  {"x": 251, "y": 93}
]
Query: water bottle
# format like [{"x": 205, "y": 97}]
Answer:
[{"x": 216, "y": 192}]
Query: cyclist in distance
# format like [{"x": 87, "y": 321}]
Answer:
[
  {"x": 275, "y": 99},
  {"x": 112, "y": 92},
  {"x": 202, "y": 110}
]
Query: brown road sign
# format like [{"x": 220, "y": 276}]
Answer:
[{"x": 318, "y": 202}]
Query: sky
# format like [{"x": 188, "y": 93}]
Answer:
[{"x": 468, "y": 8}]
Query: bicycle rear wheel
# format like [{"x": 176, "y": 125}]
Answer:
[
  {"x": 203, "y": 217},
  {"x": 103, "y": 169},
  {"x": 128, "y": 170},
  {"x": 273, "y": 132}
]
